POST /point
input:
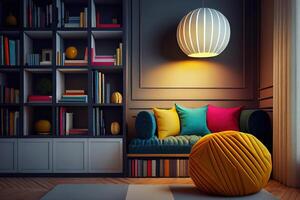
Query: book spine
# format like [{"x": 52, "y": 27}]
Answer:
[
  {"x": 1, "y": 50},
  {"x": 6, "y": 49}
]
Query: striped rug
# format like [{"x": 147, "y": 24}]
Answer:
[{"x": 138, "y": 192}]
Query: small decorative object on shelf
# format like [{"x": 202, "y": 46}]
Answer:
[
  {"x": 11, "y": 20},
  {"x": 46, "y": 57},
  {"x": 43, "y": 127},
  {"x": 116, "y": 97},
  {"x": 71, "y": 52},
  {"x": 115, "y": 128}
]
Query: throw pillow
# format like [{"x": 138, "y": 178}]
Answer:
[
  {"x": 145, "y": 125},
  {"x": 223, "y": 119},
  {"x": 192, "y": 120},
  {"x": 167, "y": 122}
]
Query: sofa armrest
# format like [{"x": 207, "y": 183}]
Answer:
[{"x": 257, "y": 122}]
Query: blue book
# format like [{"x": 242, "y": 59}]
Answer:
[
  {"x": 107, "y": 97},
  {"x": 12, "y": 52}
]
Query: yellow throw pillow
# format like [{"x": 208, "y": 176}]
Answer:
[{"x": 167, "y": 122}]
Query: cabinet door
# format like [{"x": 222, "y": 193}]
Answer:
[
  {"x": 35, "y": 155},
  {"x": 70, "y": 155},
  {"x": 8, "y": 155},
  {"x": 106, "y": 155}
]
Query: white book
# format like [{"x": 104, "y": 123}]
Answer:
[
  {"x": 69, "y": 122},
  {"x": 153, "y": 168},
  {"x": 75, "y": 61}
]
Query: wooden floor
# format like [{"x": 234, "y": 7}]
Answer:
[{"x": 35, "y": 188}]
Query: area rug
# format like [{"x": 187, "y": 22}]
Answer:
[{"x": 138, "y": 192}]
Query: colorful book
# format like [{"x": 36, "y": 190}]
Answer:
[{"x": 12, "y": 52}]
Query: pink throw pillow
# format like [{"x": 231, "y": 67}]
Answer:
[{"x": 223, "y": 119}]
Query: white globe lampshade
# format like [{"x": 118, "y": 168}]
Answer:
[{"x": 203, "y": 33}]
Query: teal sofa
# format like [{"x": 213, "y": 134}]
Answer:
[{"x": 256, "y": 122}]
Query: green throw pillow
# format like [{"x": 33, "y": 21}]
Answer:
[{"x": 192, "y": 120}]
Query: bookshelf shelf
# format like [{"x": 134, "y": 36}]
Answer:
[
  {"x": 107, "y": 105},
  {"x": 41, "y": 35},
  {"x": 9, "y": 104}
]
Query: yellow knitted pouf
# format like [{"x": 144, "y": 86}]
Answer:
[{"x": 230, "y": 163}]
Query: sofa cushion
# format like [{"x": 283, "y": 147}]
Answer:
[
  {"x": 167, "y": 122},
  {"x": 145, "y": 125},
  {"x": 192, "y": 120},
  {"x": 170, "y": 145},
  {"x": 223, "y": 119}
]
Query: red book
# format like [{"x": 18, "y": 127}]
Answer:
[
  {"x": 77, "y": 131},
  {"x": 61, "y": 121},
  {"x": 149, "y": 168},
  {"x": 132, "y": 167},
  {"x": 102, "y": 63},
  {"x": 7, "y": 95},
  {"x": 6, "y": 51},
  {"x": 108, "y": 25},
  {"x": 41, "y": 98}
]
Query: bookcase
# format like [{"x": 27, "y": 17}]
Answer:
[{"x": 56, "y": 112}]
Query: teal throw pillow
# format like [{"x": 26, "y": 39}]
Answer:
[{"x": 192, "y": 120}]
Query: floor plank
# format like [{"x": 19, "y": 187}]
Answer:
[{"x": 34, "y": 188}]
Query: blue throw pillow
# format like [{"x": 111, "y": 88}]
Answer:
[
  {"x": 192, "y": 120},
  {"x": 145, "y": 125}
]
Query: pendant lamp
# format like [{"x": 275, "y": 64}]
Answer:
[{"x": 203, "y": 33}]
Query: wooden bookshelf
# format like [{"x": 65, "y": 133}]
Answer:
[{"x": 57, "y": 37}]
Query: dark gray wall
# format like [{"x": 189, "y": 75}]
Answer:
[{"x": 159, "y": 74}]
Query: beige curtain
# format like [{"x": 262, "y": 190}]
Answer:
[{"x": 285, "y": 137}]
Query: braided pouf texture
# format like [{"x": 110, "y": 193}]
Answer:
[{"x": 230, "y": 163}]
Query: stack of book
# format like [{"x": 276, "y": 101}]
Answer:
[
  {"x": 100, "y": 24},
  {"x": 68, "y": 21},
  {"x": 9, "y": 122},
  {"x": 9, "y": 95},
  {"x": 37, "y": 16},
  {"x": 39, "y": 99},
  {"x": 33, "y": 59},
  {"x": 66, "y": 124},
  {"x": 102, "y": 88},
  {"x": 74, "y": 96},
  {"x": 83, "y": 62},
  {"x": 107, "y": 60},
  {"x": 9, "y": 51},
  {"x": 99, "y": 125},
  {"x": 158, "y": 168}
]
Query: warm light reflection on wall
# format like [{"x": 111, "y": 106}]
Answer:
[{"x": 192, "y": 74}]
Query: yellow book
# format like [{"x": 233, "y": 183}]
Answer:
[
  {"x": 121, "y": 53},
  {"x": 118, "y": 56},
  {"x": 81, "y": 19}
]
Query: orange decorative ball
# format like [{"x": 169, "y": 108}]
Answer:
[
  {"x": 115, "y": 128},
  {"x": 11, "y": 20},
  {"x": 42, "y": 126},
  {"x": 71, "y": 52}
]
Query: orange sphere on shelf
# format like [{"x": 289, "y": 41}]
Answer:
[
  {"x": 71, "y": 52},
  {"x": 42, "y": 126},
  {"x": 11, "y": 20}
]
